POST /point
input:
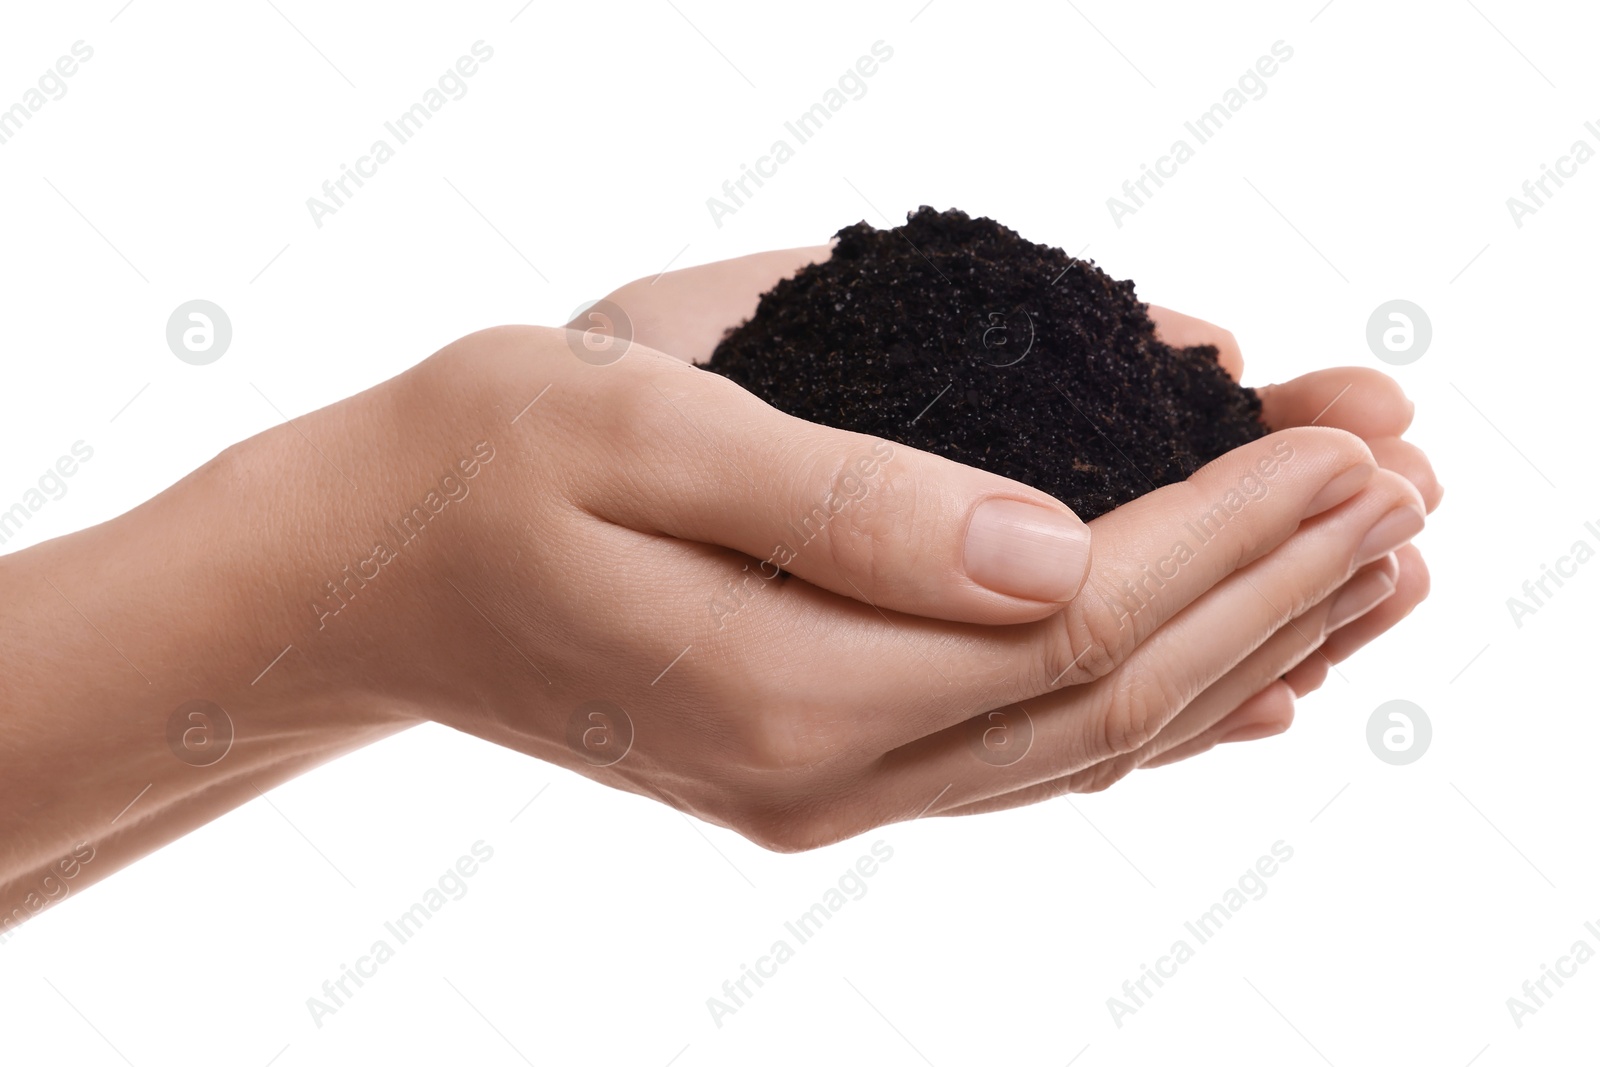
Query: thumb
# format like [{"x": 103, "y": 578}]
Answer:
[{"x": 883, "y": 523}]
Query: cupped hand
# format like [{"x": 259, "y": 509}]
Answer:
[
  {"x": 686, "y": 313},
  {"x": 618, "y": 599},
  {"x": 1371, "y": 405}
]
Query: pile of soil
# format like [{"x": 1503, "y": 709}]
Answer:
[{"x": 957, "y": 336}]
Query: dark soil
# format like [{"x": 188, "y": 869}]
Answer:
[{"x": 957, "y": 336}]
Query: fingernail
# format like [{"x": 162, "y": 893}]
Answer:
[
  {"x": 1390, "y": 532},
  {"x": 1024, "y": 550},
  {"x": 1340, "y": 489},
  {"x": 1360, "y": 595}
]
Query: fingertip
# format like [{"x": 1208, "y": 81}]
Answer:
[
  {"x": 1308, "y": 675},
  {"x": 1413, "y": 582},
  {"x": 1408, "y": 460},
  {"x": 1267, "y": 714},
  {"x": 1185, "y": 331},
  {"x": 1358, "y": 399},
  {"x": 1341, "y": 487}
]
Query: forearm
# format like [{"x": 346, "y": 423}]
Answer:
[{"x": 204, "y": 594}]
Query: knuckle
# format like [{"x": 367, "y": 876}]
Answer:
[
  {"x": 1320, "y": 449},
  {"x": 1136, "y": 708},
  {"x": 1091, "y": 636},
  {"x": 865, "y": 531},
  {"x": 500, "y": 361},
  {"x": 780, "y": 740},
  {"x": 227, "y": 468},
  {"x": 1102, "y": 776},
  {"x": 636, "y": 415},
  {"x": 786, "y": 828}
]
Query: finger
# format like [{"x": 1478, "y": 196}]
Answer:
[
  {"x": 907, "y": 531},
  {"x": 1271, "y": 711},
  {"x": 685, "y": 313},
  {"x": 1127, "y": 708},
  {"x": 1267, "y": 714},
  {"x": 1233, "y": 697},
  {"x": 1298, "y": 640},
  {"x": 1411, "y": 588},
  {"x": 785, "y": 650},
  {"x": 1257, "y": 716},
  {"x": 696, "y": 457},
  {"x": 1406, "y": 459},
  {"x": 1363, "y": 401},
  {"x": 1186, "y": 331}
]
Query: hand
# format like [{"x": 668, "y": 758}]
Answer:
[
  {"x": 686, "y": 312},
  {"x": 1365, "y": 403},
  {"x": 604, "y": 551}
]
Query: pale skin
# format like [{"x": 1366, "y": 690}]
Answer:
[{"x": 579, "y": 561}]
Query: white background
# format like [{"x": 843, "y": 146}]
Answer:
[{"x": 1377, "y": 166}]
